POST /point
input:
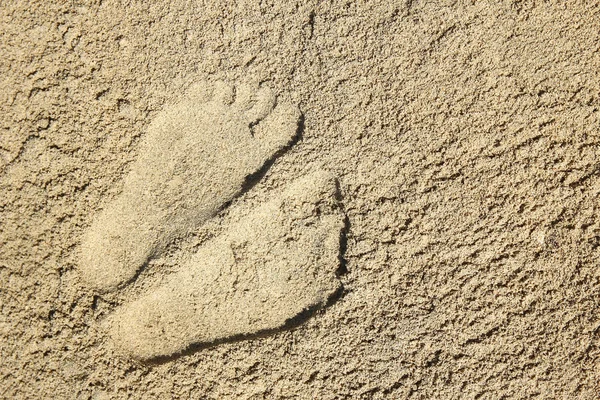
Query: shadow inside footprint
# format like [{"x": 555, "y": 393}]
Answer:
[{"x": 290, "y": 324}]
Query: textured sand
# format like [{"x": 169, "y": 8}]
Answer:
[{"x": 465, "y": 138}]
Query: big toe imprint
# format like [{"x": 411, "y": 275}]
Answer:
[
  {"x": 195, "y": 157},
  {"x": 264, "y": 271}
]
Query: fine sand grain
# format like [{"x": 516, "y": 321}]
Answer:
[{"x": 162, "y": 238}]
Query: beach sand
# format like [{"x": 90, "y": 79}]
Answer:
[{"x": 464, "y": 144}]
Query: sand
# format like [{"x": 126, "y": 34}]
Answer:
[{"x": 464, "y": 139}]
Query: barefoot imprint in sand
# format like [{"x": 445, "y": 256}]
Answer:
[
  {"x": 263, "y": 271},
  {"x": 195, "y": 158}
]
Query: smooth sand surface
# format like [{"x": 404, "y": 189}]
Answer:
[{"x": 464, "y": 140}]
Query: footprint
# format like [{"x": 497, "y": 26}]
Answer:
[
  {"x": 195, "y": 157},
  {"x": 263, "y": 272}
]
